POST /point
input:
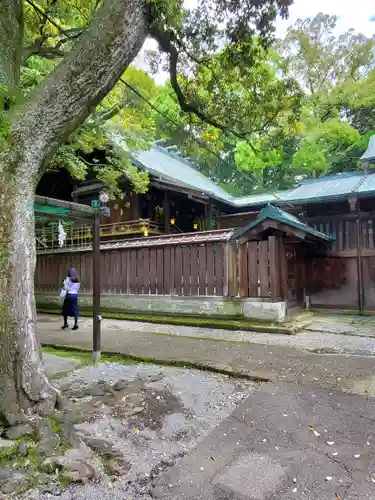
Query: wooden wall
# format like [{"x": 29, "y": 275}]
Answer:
[{"x": 209, "y": 269}]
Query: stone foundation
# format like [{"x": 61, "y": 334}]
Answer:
[{"x": 257, "y": 309}]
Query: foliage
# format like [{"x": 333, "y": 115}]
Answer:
[{"x": 337, "y": 76}]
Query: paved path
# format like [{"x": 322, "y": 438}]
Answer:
[
  {"x": 266, "y": 450},
  {"x": 354, "y": 374},
  {"x": 330, "y": 334}
]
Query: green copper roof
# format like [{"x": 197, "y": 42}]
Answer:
[
  {"x": 170, "y": 167},
  {"x": 49, "y": 210},
  {"x": 274, "y": 213}
]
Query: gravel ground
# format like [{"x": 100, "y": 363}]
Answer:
[
  {"x": 328, "y": 339},
  {"x": 180, "y": 407}
]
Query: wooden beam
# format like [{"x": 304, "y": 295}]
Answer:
[
  {"x": 230, "y": 270},
  {"x": 275, "y": 265}
]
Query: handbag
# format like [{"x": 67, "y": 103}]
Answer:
[{"x": 62, "y": 293}]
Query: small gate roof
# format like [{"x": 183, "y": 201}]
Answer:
[{"x": 272, "y": 213}]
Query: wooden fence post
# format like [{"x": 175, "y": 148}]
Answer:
[
  {"x": 243, "y": 270},
  {"x": 230, "y": 270},
  {"x": 275, "y": 267}
]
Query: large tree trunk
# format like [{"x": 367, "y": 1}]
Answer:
[
  {"x": 24, "y": 386},
  {"x": 58, "y": 106}
]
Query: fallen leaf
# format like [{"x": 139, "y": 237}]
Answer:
[
  {"x": 337, "y": 496},
  {"x": 202, "y": 468},
  {"x": 329, "y": 478},
  {"x": 330, "y": 443},
  {"x": 357, "y": 455},
  {"x": 294, "y": 490},
  {"x": 213, "y": 458},
  {"x": 335, "y": 454},
  {"x": 314, "y": 431}
]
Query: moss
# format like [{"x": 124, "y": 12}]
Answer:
[
  {"x": 86, "y": 356},
  {"x": 130, "y": 359},
  {"x": 55, "y": 426},
  {"x": 209, "y": 322}
]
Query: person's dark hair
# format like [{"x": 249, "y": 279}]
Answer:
[{"x": 73, "y": 275}]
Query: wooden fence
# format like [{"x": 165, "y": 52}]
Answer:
[
  {"x": 205, "y": 269},
  {"x": 343, "y": 229}
]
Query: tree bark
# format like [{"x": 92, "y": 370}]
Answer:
[{"x": 56, "y": 108}]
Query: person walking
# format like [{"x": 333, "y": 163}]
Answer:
[{"x": 70, "y": 286}]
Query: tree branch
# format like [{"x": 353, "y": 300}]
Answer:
[
  {"x": 11, "y": 34},
  {"x": 166, "y": 45},
  {"x": 49, "y": 51},
  {"x": 84, "y": 76}
]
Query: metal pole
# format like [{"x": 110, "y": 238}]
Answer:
[{"x": 96, "y": 290}]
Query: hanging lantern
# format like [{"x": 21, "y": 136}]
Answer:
[
  {"x": 172, "y": 221},
  {"x": 145, "y": 232},
  {"x": 195, "y": 226}
]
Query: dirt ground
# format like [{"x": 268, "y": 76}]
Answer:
[{"x": 138, "y": 419}]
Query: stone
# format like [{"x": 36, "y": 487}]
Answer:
[
  {"x": 102, "y": 446},
  {"x": 75, "y": 470},
  {"x": 121, "y": 385},
  {"x": 47, "y": 439},
  {"x": 135, "y": 410},
  {"x": 6, "y": 443},
  {"x": 5, "y": 473},
  {"x": 154, "y": 378},
  {"x": 95, "y": 390},
  {"x": 19, "y": 431},
  {"x": 23, "y": 449},
  {"x": 78, "y": 471},
  {"x": 15, "y": 483},
  {"x": 117, "y": 467}
]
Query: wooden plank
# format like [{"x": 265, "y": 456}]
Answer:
[
  {"x": 125, "y": 275},
  {"x": 370, "y": 234},
  {"x": 146, "y": 271},
  {"x": 103, "y": 272},
  {"x": 210, "y": 269},
  {"x": 230, "y": 270},
  {"x": 353, "y": 233},
  {"x": 252, "y": 260},
  {"x": 202, "y": 269},
  {"x": 365, "y": 243},
  {"x": 178, "y": 270},
  {"x": 186, "y": 264},
  {"x": 133, "y": 272},
  {"x": 274, "y": 263},
  {"x": 173, "y": 271},
  {"x": 219, "y": 269},
  {"x": 167, "y": 271},
  {"x": 159, "y": 271},
  {"x": 340, "y": 236},
  {"x": 347, "y": 236},
  {"x": 264, "y": 277},
  {"x": 243, "y": 270},
  {"x": 153, "y": 270},
  {"x": 194, "y": 269}
]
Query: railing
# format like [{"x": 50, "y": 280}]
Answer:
[{"x": 81, "y": 236}]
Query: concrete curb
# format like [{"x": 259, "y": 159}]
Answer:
[{"x": 156, "y": 361}]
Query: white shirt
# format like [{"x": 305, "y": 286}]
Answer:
[{"x": 70, "y": 287}]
